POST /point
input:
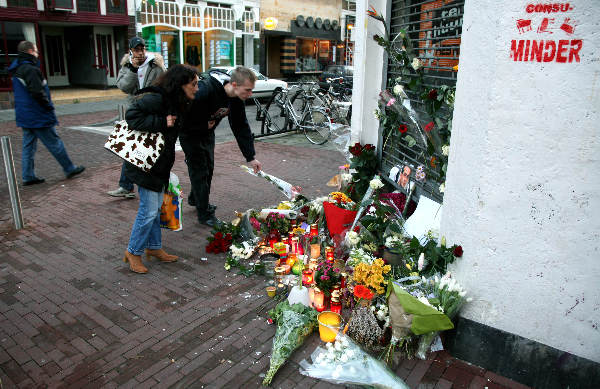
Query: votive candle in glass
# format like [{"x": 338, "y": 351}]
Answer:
[
  {"x": 315, "y": 250},
  {"x": 314, "y": 230},
  {"x": 319, "y": 300},
  {"x": 307, "y": 277},
  {"x": 329, "y": 254},
  {"x": 336, "y": 305}
]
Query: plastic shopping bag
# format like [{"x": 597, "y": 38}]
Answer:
[{"x": 170, "y": 211}]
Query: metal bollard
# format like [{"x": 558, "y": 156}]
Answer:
[{"x": 13, "y": 188}]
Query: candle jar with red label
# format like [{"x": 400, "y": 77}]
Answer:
[
  {"x": 307, "y": 277},
  {"x": 329, "y": 254},
  {"x": 314, "y": 230},
  {"x": 336, "y": 305}
]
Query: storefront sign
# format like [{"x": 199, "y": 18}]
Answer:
[{"x": 270, "y": 23}]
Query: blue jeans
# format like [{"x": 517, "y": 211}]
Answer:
[
  {"x": 146, "y": 227},
  {"x": 125, "y": 182},
  {"x": 53, "y": 143}
]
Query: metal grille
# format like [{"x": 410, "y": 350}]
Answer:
[{"x": 434, "y": 28}]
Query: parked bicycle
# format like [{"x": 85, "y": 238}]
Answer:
[
  {"x": 279, "y": 116},
  {"x": 332, "y": 96}
]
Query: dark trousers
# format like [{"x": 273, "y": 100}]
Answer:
[
  {"x": 124, "y": 181},
  {"x": 200, "y": 160}
]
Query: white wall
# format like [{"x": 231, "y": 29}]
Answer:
[
  {"x": 523, "y": 187},
  {"x": 368, "y": 75}
]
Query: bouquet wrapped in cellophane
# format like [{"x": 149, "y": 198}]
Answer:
[
  {"x": 294, "y": 323},
  {"x": 344, "y": 362}
]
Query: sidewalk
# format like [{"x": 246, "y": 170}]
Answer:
[{"x": 72, "y": 315}]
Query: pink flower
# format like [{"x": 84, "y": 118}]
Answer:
[{"x": 391, "y": 102}]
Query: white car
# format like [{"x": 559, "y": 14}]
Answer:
[{"x": 264, "y": 86}]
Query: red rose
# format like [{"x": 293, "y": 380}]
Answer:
[
  {"x": 458, "y": 251},
  {"x": 402, "y": 128},
  {"x": 369, "y": 147},
  {"x": 356, "y": 149},
  {"x": 432, "y": 94},
  {"x": 429, "y": 126}
]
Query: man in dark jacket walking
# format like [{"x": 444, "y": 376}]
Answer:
[
  {"x": 34, "y": 113},
  {"x": 218, "y": 96},
  {"x": 138, "y": 70}
]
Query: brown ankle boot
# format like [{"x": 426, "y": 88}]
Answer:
[
  {"x": 135, "y": 263},
  {"x": 161, "y": 255}
]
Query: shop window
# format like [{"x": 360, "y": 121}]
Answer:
[
  {"x": 87, "y": 6},
  {"x": 306, "y": 55},
  {"x": 163, "y": 40},
  {"x": 314, "y": 55},
  {"x": 218, "y": 48},
  {"x": 12, "y": 33},
  {"x": 115, "y": 6},
  {"x": 192, "y": 46},
  {"x": 22, "y": 3}
]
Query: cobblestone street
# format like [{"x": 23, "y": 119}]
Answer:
[{"x": 72, "y": 315}]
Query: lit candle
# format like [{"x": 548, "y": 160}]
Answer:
[
  {"x": 336, "y": 305},
  {"x": 315, "y": 250},
  {"x": 329, "y": 254},
  {"x": 319, "y": 300},
  {"x": 314, "y": 230},
  {"x": 307, "y": 277}
]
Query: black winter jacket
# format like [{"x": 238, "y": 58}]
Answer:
[
  {"x": 148, "y": 112},
  {"x": 212, "y": 104}
]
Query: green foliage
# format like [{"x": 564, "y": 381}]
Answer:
[{"x": 365, "y": 162}]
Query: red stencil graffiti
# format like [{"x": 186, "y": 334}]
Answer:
[
  {"x": 568, "y": 26},
  {"x": 523, "y": 25},
  {"x": 543, "y": 28}
]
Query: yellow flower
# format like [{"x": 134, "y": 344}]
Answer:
[
  {"x": 284, "y": 205},
  {"x": 455, "y": 68},
  {"x": 378, "y": 262},
  {"x": 408, "y": 266},
  {"x": 387, "y": 268}
]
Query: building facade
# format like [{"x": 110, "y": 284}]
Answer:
[
  {"x": 80, "y": 41},
  {"x": 303, "y": 38},
  {"x": 201, "y": 34}
]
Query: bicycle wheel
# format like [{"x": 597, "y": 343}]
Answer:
[
  {"x": 276, "y": 113},
  {"x": 317, "y": 126}
]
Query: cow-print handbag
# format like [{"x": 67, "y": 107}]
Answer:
[{"x": 139, "y": 148}]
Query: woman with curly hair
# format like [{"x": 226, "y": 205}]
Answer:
[{"x": 156, "y": 109}]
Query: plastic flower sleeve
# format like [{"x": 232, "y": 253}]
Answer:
[
  {"x": 346, "y": 363},
  {"x": 285, "y": 187}
]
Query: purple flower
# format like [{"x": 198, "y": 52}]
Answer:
[
  {"x": 337, "y": 270},
  {"x": 324, "y": 278}
]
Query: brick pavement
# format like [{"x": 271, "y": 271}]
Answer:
[{"x": 73, "y": 316}]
